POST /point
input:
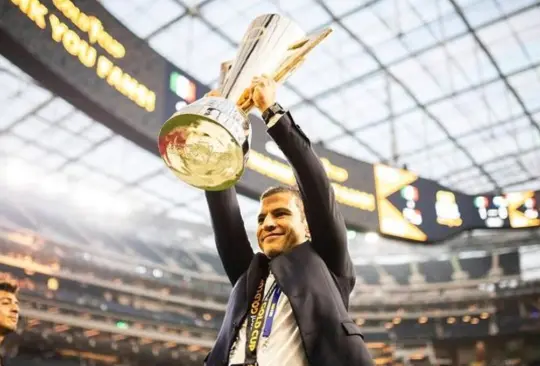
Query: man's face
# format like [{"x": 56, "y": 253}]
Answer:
[
  {"x": 281, "y": 224},
  {"x": 9, "y": 311}
]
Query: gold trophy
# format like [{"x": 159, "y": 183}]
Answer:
[{"x": 206, "y": 144}]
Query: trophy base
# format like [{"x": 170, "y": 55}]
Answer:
[{"x": 202, "y": 151}]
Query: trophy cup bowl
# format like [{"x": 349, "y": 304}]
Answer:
[{"x": 206, "y": 144}]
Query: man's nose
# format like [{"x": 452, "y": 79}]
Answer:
[{"x": 269, "y": 223}]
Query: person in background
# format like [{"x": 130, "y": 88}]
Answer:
[
  {"x": 9, "y": 308},
  {"x": 289, "y": 303}
]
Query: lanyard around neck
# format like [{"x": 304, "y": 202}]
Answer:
[{"x": 256, "y": 319}]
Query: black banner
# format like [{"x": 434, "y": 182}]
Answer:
[{"x": 82, "y": 53}]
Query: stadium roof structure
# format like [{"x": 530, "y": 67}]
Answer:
[{"x": 448, "y": 88}]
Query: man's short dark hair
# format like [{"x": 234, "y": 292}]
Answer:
[
  {"x": 286, "y": 189},
  {"x": 281, "y": 189},
  {"x": 9, "y": 286}
]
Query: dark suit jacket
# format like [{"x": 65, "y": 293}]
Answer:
[{"x": 317, "y": 276}]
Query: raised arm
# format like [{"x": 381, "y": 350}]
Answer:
[
  {"x": 230, "y": 234},
  {"x": 326, "y": 224}
]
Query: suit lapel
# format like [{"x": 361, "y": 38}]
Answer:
[{"x": 258, "y": 269}]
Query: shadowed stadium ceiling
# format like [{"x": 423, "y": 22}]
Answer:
[{"x": 448, "y": 88}]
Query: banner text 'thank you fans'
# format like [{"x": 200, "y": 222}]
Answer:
[{"x": 84, "y": 50}]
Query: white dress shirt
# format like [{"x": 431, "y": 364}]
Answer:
[{"x": 283, "y": 346}]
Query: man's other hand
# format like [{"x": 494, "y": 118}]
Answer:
[
  {"x": 264, "y": 92},
  {"x": 244, "y": 102}
]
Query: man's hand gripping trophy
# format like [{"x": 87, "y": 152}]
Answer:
[{"x": 261, "y": 93}]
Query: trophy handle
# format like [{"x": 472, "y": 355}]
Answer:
[{"x": 299, "y": 51}]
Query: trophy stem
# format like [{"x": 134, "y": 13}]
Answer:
[{"x": 224, "y": 72}]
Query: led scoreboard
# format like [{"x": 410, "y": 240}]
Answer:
[
  {"x": 511, "y": 210},
  {"x": 422, "y": 210},
  {"x": 417, "y": 209}
]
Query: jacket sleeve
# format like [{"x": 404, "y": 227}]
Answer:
[
  {"x": 230, "y": 234},
  {"x": 326, "y": 224}
]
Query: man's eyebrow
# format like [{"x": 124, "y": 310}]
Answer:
[
  {"x": 282, "y": 209},
  {"x": 276, "y": 210}
]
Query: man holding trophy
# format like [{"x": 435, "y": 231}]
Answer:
[{"x": 289, "y": 303}]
